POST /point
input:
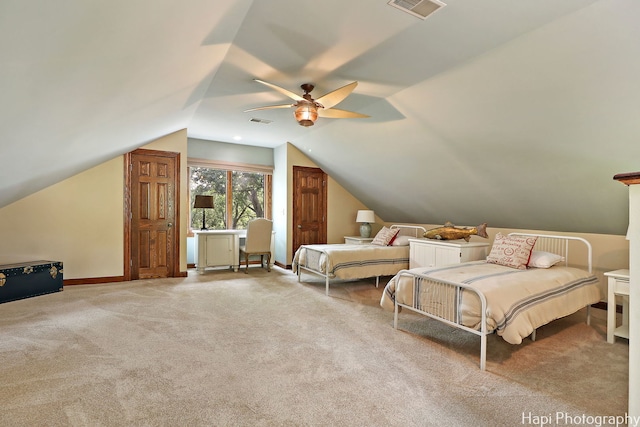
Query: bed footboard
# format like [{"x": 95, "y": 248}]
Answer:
[
  {"x": 313, "y": 263},
  {"x": 443, "y": 304}
]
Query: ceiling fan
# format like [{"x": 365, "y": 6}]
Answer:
[{"x": 308, "y": 109}]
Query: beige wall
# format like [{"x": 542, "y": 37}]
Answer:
[
  {"x": 341, "y": 205},
  {"x": 79, "y": 221}
]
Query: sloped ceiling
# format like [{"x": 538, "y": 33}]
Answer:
[{"x": 513, "y": 113}]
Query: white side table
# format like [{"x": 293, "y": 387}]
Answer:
[
  {"x": 357, "y": 240},
  {"x": 215, "y": 248},
  {"x": 618, "y": 284}
]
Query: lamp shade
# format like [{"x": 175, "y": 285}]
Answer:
[
  {"x": 365, "y": 216},
  {"x": 203, "y": 202},
  {"x": 306, "y": 114}
]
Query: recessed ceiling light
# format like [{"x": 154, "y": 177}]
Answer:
[{"x": 237, "y": 138}]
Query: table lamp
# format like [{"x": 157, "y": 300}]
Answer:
[
  {"x": 204, "y": 202},
  {"x": 365, "y": 217}
]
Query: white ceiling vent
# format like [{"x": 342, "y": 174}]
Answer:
[
  {"x": 265, "y": 121},
  {"x": 418, "y": 8}
]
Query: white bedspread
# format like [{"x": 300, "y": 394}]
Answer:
[
  {"x": 518, "y": 301},
  {"x": 345, "y": 261}
]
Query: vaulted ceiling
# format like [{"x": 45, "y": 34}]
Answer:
[{"x": 514, "y": 113}]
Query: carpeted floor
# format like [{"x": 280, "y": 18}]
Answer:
[{"x": 229, "y": 349}]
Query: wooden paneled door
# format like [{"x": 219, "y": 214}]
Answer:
[
  {"x": 309, "y": 206},
  {"x": 151, "y": 214}
]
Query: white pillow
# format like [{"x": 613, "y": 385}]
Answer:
[
  {"x": 401, "y": 240},
  {"x": 541, "y": 259}
]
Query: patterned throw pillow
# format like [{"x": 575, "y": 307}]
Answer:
[
  {"x": 511, "y": 251},
  {"x": 385, "y": 236}
]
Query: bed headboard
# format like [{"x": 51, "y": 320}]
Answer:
[
  {"x": 559, "y": 245},
  {"x": 409, "y": 230}
]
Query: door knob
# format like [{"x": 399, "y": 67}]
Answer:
[
  {"x": 170, "y": 224},
  {"x": 299, "y": 226}
]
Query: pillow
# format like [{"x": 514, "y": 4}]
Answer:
[
  {"x": 511, "y": 251},
  {"x": 401, "y": 240},
  {"x": 385, "y": 236},
  {"x": 542, "y": 259}
]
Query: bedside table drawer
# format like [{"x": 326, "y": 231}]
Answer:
[{"x": 621, "y": 287}]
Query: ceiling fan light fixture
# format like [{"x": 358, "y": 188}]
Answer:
[
  {"x": 307, "y": 109},
  {"x": 306, "y": 114}
]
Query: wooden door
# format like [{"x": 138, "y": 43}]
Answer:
[
  {"x": 153, "y": 248},
  {"x": 309, "y": 206}
]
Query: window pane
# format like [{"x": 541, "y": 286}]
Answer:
[
  {"x": 211, "y": 182},
  {"x": 248, "y": 198}
]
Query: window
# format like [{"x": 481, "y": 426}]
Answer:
[{"x": 240, "y": 192}]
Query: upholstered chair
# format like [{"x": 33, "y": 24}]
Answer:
[{"x": 257, "y": 242}]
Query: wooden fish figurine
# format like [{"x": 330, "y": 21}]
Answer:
[{"x": 450, "y": 232}]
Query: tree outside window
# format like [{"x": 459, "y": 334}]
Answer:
[
  {"x": 248, "y": 198},
  {"x": 238, "y": 197}
]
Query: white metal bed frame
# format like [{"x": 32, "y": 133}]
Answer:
[
  {"x": 550, "y": 243},
  {"x": 416, "y": 231}
]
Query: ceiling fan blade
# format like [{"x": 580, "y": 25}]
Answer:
[
  {"x": 269, "y": 107},
  {"x": 333, "y": 98},
  {"x": 281, "y": 90},
  {"x": 334, "y": 113}
]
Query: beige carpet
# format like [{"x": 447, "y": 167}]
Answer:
[{"x": 229, "y": 349}]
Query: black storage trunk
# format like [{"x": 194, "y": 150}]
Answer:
[{"x": 29, "y": 279}]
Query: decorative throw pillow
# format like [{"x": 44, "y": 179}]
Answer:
[
  {"x": 384, "y": 236},
  {"x": 401, "y": 240},
  {"x": 511, "y": 251},
  {"x": 542, "y": 259}
]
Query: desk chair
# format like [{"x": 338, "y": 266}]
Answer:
[{"x": 257, "y": 242}]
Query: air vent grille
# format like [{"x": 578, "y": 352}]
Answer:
[
  {"x": 419, "y": 8},
  {"x": 263, "y": 121}
]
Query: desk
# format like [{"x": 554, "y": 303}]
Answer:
[
  {"x": 618, "y": 284},
  {"x": 219, "y": 248}
]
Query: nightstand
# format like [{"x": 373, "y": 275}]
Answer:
[
  {"x": 617, "y": 284},
  {"x": 357, "y": 240}
]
